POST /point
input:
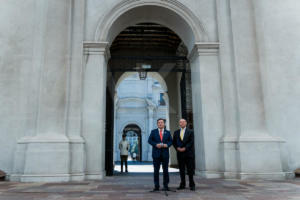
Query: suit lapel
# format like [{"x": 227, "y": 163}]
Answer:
[
  {"x": 185, "y": 134},
  {"x": 164, "y": 134}
]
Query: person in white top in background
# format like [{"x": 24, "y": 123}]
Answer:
[{"x": 124, "y": 147}]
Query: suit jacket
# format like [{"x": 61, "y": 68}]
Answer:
[
  {"x": 154, "y": 139},
  {"x": 188, "y": 142}
]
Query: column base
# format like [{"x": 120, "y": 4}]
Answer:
[
  {"x": 231, "y": 157},
  {"x": 45, "y": 178},
  {"x": 14, "y": 177},
  {"x": 232, "y": 175},
  {"x": 244, "y": 176},
  {"x": 289, "y": 175},
  {"x": 77, "y": 177},
  {"x": 95, "y": 176},
  {"x": 77, "y": 158},
  {"x": 260, "y": 158},
  {"x": 265, "y": 176},
  {"x": 249, "y": 176},
  {"x": 250, "y": 158},
  {"x": 43, "y": 158},
  {"x": 209, "y": 174}
]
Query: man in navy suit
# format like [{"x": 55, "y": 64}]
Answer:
[
  {"x": 161, "y": 140},
  {"x": 183, "y": 142}
]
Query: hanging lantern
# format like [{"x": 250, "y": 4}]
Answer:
[
  {"x": 142, "y": 71},
  {"x": 142, "y": 74}
]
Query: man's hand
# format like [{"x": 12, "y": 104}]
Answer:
[
  {"x": 181, "y": 149},
  {"x": 161, "y": 146}
]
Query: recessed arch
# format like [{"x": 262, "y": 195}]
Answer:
[
  {"x": 169, "y": 13},
  {"x": 130, "y": 122},
  {"x": 157, "y": 76},
  {"x": 154, "y": 75}
]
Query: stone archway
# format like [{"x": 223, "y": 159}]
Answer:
[{"x": 181, "y": 20}]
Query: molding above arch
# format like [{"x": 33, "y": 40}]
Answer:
[
  {"x": 107, "y": 20},
  {"x": 130, "y": 99}
]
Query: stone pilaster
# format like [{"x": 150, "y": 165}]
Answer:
[
  {"x": 47, "y": 154},
  {"x": 259, "y": 150},
  {"x": 207, "y": 107},
  {"x": 94, "y": 109},
  {"x": 149, "y": 128},
  {"x": 75, "y": 78}
]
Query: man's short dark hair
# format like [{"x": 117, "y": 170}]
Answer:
[{"x": 161, "y": 119}]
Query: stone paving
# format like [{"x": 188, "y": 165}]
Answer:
[{"x": 136, "y": 186}]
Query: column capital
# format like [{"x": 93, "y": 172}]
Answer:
[
  {"x": 96, "y": 48},
  {"x": 204, "y": 48}
]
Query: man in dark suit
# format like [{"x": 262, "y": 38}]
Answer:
[
  {"x": 161, "y": 140},
  {"x": 183, "y": 142}
]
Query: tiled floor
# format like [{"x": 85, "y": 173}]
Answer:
[{"x": 135, "y": 186}]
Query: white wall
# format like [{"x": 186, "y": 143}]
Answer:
[
  {"x": 18, "y": 86},
  {"x": 278, "y": 30},
  {"x": 278, "y": 41}
]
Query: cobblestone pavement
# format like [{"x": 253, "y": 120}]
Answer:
[{"x": 135, "y": 186}]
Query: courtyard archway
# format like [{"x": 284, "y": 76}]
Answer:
[{"x": 205, "y": 77}]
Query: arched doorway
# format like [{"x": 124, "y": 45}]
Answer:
[
  {"x": 205, "y": 77},
  {"x": 139, "y": 102},
  {"x": 134, "y": 137},
  {"x": 166, "y": 56}
]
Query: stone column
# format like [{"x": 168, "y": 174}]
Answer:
[
  {"x": 149, "y": 129},
  {"x": 207, "y": 108},
  {"x": 259, "y": 151},
  {"x": 74, "y": 129},
  {"x": 277, "y": 34},
  {"x": 47, "y": 156},
  {"x": 94, "y": 107},
  {"x": 116, "y": 133},
  {"x": 229, "y": 92}
]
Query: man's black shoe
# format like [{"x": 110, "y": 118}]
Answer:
[
  {"x": 193, "y": 188},
  {"x": 181, "y": 187},
  {"x": 155, "y": 189},
  {"x": 166, "y": 189}
]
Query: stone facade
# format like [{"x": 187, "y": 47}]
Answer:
[{"x": 245, "y": 79}]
